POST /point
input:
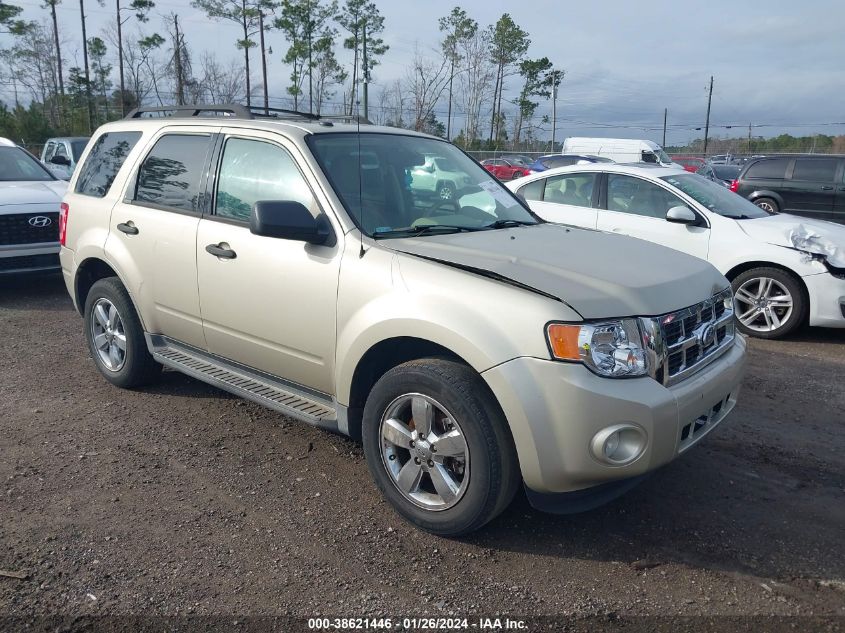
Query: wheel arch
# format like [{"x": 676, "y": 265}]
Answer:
[
  {"x": 89, "y": 272},
  {"x": 766, "y": 193},
  {"x": 737, "y": 270}
]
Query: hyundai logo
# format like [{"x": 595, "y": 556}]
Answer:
[{"x": 40, "y": 221}]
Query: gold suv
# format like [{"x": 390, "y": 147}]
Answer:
[{"x": 303, "y": 263}]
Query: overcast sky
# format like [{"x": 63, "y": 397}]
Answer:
[{"x": 777, "y": 64}]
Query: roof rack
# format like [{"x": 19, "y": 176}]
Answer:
[{"x": 236, "y": 110}]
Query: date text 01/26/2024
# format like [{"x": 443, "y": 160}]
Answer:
[{"x": 411, "y": 624}]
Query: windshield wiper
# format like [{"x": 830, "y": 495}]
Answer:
[
  {"x": 505, "y": 224},
  {"x": 425, "y": 229}
]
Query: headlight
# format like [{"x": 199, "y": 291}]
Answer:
[{"x": 612, "y": 348}]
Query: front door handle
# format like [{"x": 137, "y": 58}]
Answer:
[
  {"x": 218, "y": 250},
  {"x": 827, "y": 188},
  {"x": 128, "y": 228}
]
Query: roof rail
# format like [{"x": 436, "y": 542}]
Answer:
[{"x": 235, "y": 110}]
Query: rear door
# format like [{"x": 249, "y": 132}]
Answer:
[
  {"x": 153, "y": 231},
  {"x": 810, "y": 188},
  {"x": 637, "y": 207},
  {"x": 564, "y": 198}
]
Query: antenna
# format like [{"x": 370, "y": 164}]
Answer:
[{"x": 360, "y": 176}]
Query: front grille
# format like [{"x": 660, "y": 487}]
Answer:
[
  {"x": 28, "y": 262},
  {"x": 16, "y": 228},
  {"x": 698, "y": 428},
  {"x": 683, "y": 342}
]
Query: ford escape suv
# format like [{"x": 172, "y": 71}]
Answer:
[{"x": 472, "y": 347}]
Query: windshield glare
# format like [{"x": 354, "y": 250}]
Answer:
[
  {"x": 17, "y": 165},
  {"x": 398, "y": 189},
  {"x": 715, "y": 197}
]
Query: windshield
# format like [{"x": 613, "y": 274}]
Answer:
[
  {"x": 715, "y": 197},
  {"x": 77, "y": 147},
  {"x": 397, "y": 192},
  {"x": 663, "y": 157},
  {"x": 18, "y": 165}
]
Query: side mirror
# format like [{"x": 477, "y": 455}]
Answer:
[
  {"x": 288, "y": 220},
  {"x": 681, "y": 215},
  {"x": 60, "y": 160}
]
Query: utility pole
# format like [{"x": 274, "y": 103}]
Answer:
[
  {"x": 177, "y": 62},
  {"x": 555, "y": 84},
  {"x": 366, "y": 74},
  {"x": 665, "y": 116},
  {"x": 120, "y": 58},
  {"x": 263, "y": 62},
  {"x": 58, "y": 51},
  {"x": 749, "y": 138},
  {"x": 87, "y": 74},
  {"x": 707, "y": 123}
]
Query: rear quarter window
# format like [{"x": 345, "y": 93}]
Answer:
[
  {"x": 105, "y": 159},
  {"x": 774, "y": 169}
]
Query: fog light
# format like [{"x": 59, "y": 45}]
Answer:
[{"x": 619, "y": 444}]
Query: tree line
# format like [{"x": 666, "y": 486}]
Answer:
[
  {"x": 455, "y": 89},
  {"x": 783, "y": 143}
]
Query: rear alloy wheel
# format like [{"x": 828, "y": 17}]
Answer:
[
  {"x": 438, "y": 446},
  {"x": 769, "y": 302},
  {"x": 767, "y": 204}
]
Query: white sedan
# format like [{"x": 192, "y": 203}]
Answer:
[{"x": 785, "y": 270}]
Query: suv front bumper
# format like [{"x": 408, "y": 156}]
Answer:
[
  {"x": 554, "y": 409},
  {"x": 27, "y": 258}
]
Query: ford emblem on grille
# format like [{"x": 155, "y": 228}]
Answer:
[
  {"x": 40, "y": 221},
  {"x": 708, "y": 335}
]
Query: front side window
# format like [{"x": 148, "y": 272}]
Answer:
[
  {"x": 385, "y": 185},
  {"x": 773, "y": 169},
  {"x": 627, "y": 194},
  {"x": 814, "y": 169},
  {"x": 170, "y": 174},
  {"x": 49, "y": 151},
  {"x": 255, "y": 170},
  {"x": 61, "y": 150},
  {"x": 104, "y": 161},
  {"x": 716, "y": 198},
  {"x": 18, "y": 165},
  {"x": 572, "y": 189}
]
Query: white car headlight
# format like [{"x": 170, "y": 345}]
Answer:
[{"x": 611, "y": 348}]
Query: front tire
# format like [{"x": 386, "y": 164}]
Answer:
[
  {"x": 438, "y": 446},
  {"x": 446, "y": 191},
  {"x": 115, "y": 337},
  {"x": 770, "y": 303}
]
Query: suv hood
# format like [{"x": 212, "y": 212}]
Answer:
[
  {"x": 600, "y": 275},
  {"x": 24, "y": 192},
  {"x": 804, "y": 234}
]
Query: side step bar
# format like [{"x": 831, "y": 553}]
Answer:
[{"x": 292, "y": 400}]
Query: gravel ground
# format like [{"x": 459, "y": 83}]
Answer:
[{"x": 182, "y": 500}]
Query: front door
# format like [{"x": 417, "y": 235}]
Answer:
[
  {"x": 153, "y": 232},
  {"x": 638, "y": 208},
  {"x": 271, "y": 303}
]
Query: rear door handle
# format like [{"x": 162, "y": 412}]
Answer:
[
  {"x": 219, "y": 251},
  {"x": 827, "y": 188},
  {"x": 127, "y": 227}
]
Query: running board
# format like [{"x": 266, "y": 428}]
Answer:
[{"x": 266, "y": 390}]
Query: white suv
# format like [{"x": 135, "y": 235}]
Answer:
[{"x": 290, "y": 260}]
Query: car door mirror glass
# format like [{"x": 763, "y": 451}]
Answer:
[
  {"x": 681, "y": 215},
  {"x": 288, "y": 220}
]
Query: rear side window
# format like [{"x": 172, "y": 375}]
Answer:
[
  {"x": 532, "y": 191},
  {"x": 104, "y": 161},
  {"x": 571, "y": 189},
  {"x": 774, "y": 169},
  {"x": 814, "y": 169},
  {"x": 170, "y": 174}
]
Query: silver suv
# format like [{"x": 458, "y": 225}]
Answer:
[{"x": 472, "y": 347}]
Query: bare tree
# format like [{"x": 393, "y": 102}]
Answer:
[
  {"x": 220, "y": 84},
  {"x": 35, "y": 55},
  {"x": 426, "y": 81},
  {"x": 476, "y": 82}
]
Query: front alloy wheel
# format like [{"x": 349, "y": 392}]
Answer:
[
  {"x": 769, "y": 302},
  {"x": 424, "y": 450}
]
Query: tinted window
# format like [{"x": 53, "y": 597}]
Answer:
[
  {"x": 253, "y": 170},
  {"x": 104, "y": 161},
  {"x": 769, "y": 169},
  {"x": 532, "y": 191},
  {"x": 16, "y": 165},
  {"x": 726, "y": 172},
  {"x": 639, "y": 197},
  {"x": 814, "y": 169},
  {"x": 170, "y": 174},
  {"x": 574, "y": 189},
  {"x": 76, "y": 148}
]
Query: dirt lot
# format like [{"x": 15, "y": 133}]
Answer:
[{"x": 180, "y": 499}]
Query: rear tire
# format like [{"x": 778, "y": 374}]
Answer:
[
  {"x": 476, "y": 459},
  {"x": 767, "y": 204},
  {"x": 115, "y": 337},
  {"x": 770, "y": 302}
]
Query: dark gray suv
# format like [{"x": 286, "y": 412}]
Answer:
[{"x": 810, "y": 185}]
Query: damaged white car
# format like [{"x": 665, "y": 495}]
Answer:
[{"x": 785, "y": 270}]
